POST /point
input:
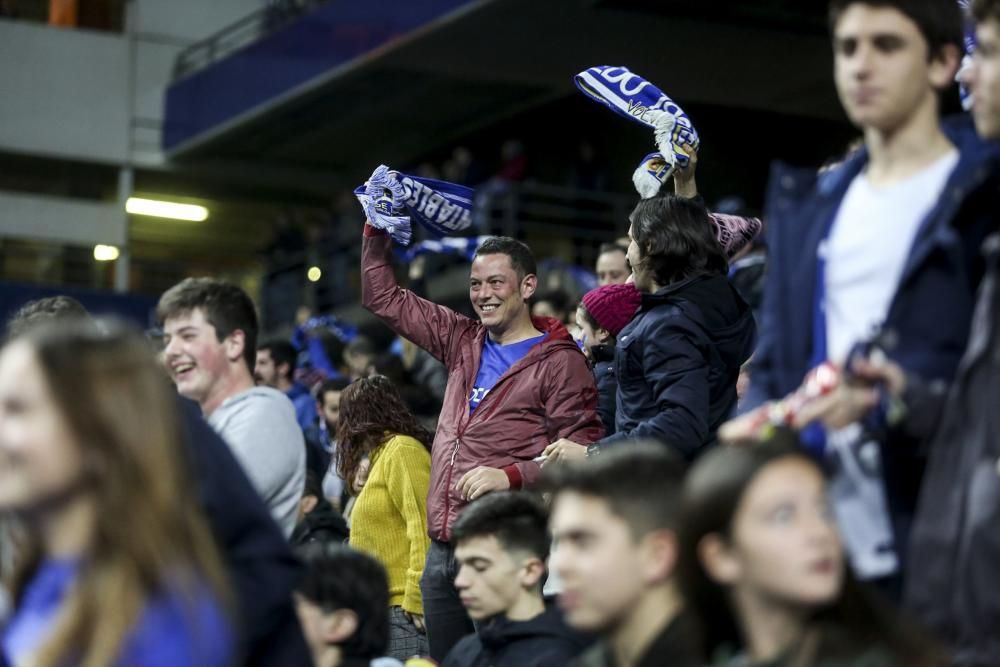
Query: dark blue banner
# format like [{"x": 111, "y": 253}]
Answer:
[{"x": 328, "y": 37}]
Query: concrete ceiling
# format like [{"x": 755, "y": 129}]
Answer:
[{"x": 507, "y": 56}]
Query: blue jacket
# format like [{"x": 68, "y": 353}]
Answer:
[
  {"x": 927, "y": 324},
  {"x": 677, "y": 363},
  {"x": 305, "y": 405}
]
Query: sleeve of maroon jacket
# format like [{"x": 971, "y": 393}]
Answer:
[
  {"x": 570, "y": 409},
  {"x": 429, "y": 325}
]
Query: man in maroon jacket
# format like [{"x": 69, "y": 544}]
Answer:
[{"x": 515, "y": 384}]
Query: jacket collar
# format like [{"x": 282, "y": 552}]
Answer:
[
  {"x": 671, "y": 291},
  {"x": 603, "y": 352},
  {"x": 977, "y": 161}
]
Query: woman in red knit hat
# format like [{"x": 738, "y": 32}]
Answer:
[{"x": 601, "y": 316}]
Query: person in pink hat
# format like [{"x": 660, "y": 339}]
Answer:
[
  {"x": 601, "y": 316},
  {"x": 676, "y": 359}
]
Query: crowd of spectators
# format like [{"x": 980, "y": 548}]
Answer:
[{"x": 700, "y": 462}]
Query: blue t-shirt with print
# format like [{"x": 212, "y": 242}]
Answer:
[{"x": 496, "y": 360}]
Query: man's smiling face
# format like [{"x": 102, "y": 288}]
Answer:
[{"x": 497, "y": 294}]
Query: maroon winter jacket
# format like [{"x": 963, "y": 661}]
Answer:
[{"x": 547, "y": 395}]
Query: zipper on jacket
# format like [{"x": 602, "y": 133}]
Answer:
[
  {"x": 463, "y": 424},
  {"x": 447, "y": 494}
]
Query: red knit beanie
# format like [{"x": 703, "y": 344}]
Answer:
[{"x": 612, "y": 306}]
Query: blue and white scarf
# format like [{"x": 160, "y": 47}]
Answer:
[
  {"x": 392, "y": 199},
  {"x": 633, "y": 97}
]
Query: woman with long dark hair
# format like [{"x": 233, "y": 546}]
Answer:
[
  {"x": 763, "y": 570},
  {"x": 118, "y": 566},
  {"x": 389, "y": 520}
]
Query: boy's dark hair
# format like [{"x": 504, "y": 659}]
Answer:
[
  {"x": 939, "y": 21},
  {"x": 226, "y": 307},
  {"x": 333, "y": 384},
  {"x": 282, "y": 352},
  {"x": 640, "y": 482},
  {"x": 984, "y": 10},
  {"x": 338, "y": 577},
  {"x": 676, "y": 239},
  {"x": 45, "y": 310},
  {"x": 517, "y": 519},
  {"x": 521, "y": 259}
]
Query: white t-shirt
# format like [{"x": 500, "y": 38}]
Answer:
[
  {"x": 867, "y": 250},
  {"x": 260, "y": 427},
  {"x": 865, "y": 255}
]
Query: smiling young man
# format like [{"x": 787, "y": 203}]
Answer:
[
  {"x": 515, "y": 384},
  {"x": 501, "y": 543},
  {"x": 210, "y": 333},
  {"x": 885, "y": 244}
]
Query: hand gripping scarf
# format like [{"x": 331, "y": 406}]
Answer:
[{"x": 392, "y": 200}]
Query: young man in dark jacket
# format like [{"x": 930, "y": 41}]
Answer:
[
  {"x": 515, "y": 384},
  {"x": 614, "y": 521},
  {"x": 501, "y": 543},
  {"x": 887, "y": 241},
  {"x": 678, "y": 360},
  {"x": 954, "y": 545}
]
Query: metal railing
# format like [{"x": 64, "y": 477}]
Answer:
[
  {"x": 240, "y": 34},
  {"x": 565, "y": 224},
  {"x": 547, "y": 213}
]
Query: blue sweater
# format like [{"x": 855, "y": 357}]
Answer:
[
  {"x": 305, "y": 405},
  {"x": 167, "y": 632}
]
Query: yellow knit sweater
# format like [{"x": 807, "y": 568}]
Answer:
[{"x": 390, "y": 517}]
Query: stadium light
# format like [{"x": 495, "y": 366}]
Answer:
[
  {"x": 166, "y": 209},
  {"x": 105, "y": 253}
]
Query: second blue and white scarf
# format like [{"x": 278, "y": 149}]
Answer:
[{"x": 632, "y": 96}]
